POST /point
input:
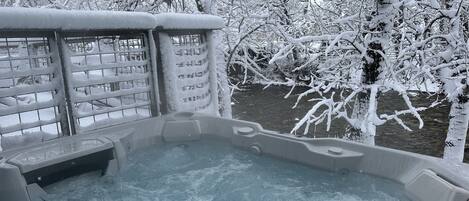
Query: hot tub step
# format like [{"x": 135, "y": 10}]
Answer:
[
  {"x": 56, "y": 172},
  {"x": 47, "y": 164},
  {"x": 58, "y": 152}
]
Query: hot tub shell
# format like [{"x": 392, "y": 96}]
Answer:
[{"x": 425, "y": 178}]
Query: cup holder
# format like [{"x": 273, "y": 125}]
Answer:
[
  {"x": 245, "y": 130},
  {"x": 183, "y": 115}
]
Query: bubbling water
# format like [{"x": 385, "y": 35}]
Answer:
[{"x": 210, "y": 170}]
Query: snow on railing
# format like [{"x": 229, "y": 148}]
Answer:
[
  {"x": 181, "y": 21},
  {"x": 52, "y": 19},
  {"x": 67, "y": 72}
]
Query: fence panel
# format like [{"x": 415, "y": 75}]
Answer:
[
  {"x": 31, "y": 96},
  {"x": 188, "y": 73},
  {"x": 110, "y": 78}
]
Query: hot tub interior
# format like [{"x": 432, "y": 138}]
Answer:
[
  {"x": 201, "y": 157},
  {"x": 215, "y": 170}
]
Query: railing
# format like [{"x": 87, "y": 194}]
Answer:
[{"x": 88, "y": 70}]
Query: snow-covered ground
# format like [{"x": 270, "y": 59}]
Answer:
[{"x": 17, "y": 59}]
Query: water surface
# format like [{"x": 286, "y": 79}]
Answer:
[{"x": 211, "y": 170}]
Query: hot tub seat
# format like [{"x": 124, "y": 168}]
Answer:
[{"x": 59, "y": 152}]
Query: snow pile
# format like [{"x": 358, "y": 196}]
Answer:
[{"x": 28, "y": 138}]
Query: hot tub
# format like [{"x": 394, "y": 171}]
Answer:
[{"x": 187, "y": 156}]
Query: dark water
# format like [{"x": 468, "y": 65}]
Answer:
[{"x": 274, "y": 112}]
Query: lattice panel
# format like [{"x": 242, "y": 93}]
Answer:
[
  {"x": 111, "y": 79},
  {"x": 193, "y": 74},
  {"x": 30, "y": 89}
]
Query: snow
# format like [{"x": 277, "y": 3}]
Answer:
[
  {"x": 9, "y": 124},
  {"x": 372, "y": 119},
  {"x": 456, "y": 136},
  {"x": 28, "y": 138},
  {"x": 53, "y": 19},
  {"x": 170, "y": 21},
  {"x": 212, "y": 62},
  {"x": 81, "y": 81},
  {"x": 16, "y": 108},
  {"x": 21, "y": 73},
  {"x": 114, "y": 118},
  {"x": 426, "y": 86},
  {"x": 189, "y": 75},
  {"x": 87, "y": 68},
  {"x": 101, "y": 94},
  {"x": 169, "y": 67},
  {"x": 435, "y": 3}
]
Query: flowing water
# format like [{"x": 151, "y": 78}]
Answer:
[
  {"x": 210, "y": 170},
  {"x": 270, "y": 108}
]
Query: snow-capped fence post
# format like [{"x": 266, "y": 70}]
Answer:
[
  {"x": 151, "y": 44},
  {"x": 65, "y": 109},
  {"x": 166, "y": 59},
  {"x": 65, "y": 72},
  {"x": 187, "y": 58},
  {"x": 212, "y": 63},
  {"x": 224, "y": 91}
]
